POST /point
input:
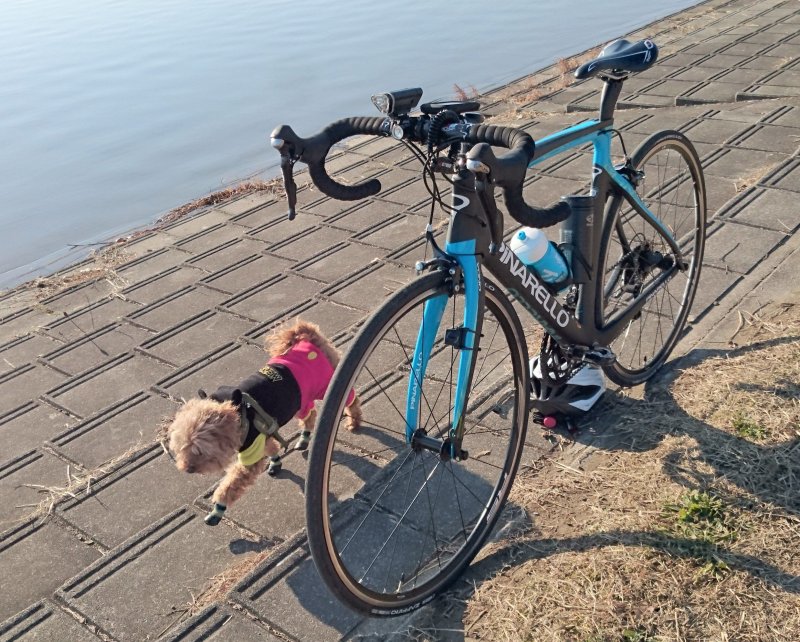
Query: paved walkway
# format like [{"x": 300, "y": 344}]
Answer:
[{"x": 87, "y": 373}]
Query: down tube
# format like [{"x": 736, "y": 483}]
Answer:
[{"x": 464, "y": 253}]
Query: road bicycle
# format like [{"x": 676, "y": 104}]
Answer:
[{"x": 397, "y": 509}]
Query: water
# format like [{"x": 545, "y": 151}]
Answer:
[{"x": 112, "y": 112}]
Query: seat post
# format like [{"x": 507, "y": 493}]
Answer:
[{"x": 611, "y": 91}]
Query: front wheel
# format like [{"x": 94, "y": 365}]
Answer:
[
  {"x": 389, "y": 526},
  {"x": 634, "y": 253}
]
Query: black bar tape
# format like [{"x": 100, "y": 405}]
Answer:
[
  {"x": 508, "y": 171},
  {"x": 313, "y": 151},
  {"x": 332, "y": 134}
]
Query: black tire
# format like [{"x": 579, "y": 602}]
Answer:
[
  {"x": 673, "y": 189},
  {"x": 378, "y": 549}
]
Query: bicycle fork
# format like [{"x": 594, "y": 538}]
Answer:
[{"x": 465, "y": 277}]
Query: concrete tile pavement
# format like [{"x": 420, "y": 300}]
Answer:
[{"x": 88, "y": 372}]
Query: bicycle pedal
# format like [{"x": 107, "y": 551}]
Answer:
[
  {"x": 599, "y": 357},
  {"x": 274, "y": 468}
]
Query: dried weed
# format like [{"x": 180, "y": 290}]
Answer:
[{"x": 688, "y": 531}]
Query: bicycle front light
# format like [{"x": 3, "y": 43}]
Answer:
[{"x": 397, "y": 103}]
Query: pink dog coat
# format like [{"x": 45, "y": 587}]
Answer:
[{"x": 312, "y": 371}]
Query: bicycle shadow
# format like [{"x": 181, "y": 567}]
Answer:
[{"x": 750, "y": 466}]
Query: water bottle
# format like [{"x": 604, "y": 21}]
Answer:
[{"x": 531, "y": 246}]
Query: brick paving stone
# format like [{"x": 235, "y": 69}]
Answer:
[
  {"x": 244, "y": 204},
  {"x": 261, "y": 215},
  {"x": 196, "y": 336},
  {"x": 25, "y": 383},
  {"x": 208, "y": 239},
  {"x": 718, "y": 192},
  {"x": 89, "y": 319},
  {"x": 402, "y": 228},
  {"x": 25, "y": 428},
  {"x": 77, "y": 297},
  {"x": 709, "y": 92},
  {"x": 739, "y": 247},
  {"x": 737, "y": 163},
  {"x": 131, "y": 592},
  {"x": 770, "y": 208},
  {"x": 227, "y": 366},
  {"x": 163, "y": 284},
  {"x": 784, "y": 115},
  {"x": 771, "y": 138},
  {"x": 130, "y": 425},
  {"x": 331, "y": 317},
  {"x": 96, "y": 348},
  {"x": 275, "y": 232},
  {"x": 304, "y": 246},
  {"x": 36, "y": 558},
  {"x": 170, "y": 310},
  {"x": 132, "y": 497},
  {"x": 714, "y": 283},
  {"x": 758, "y": 91},
  {"x": 670, "y": 87},
  {"x": 365, "y": 215},
  {"x": 24, "y": 349},
  {"x": 410, "y": 193},
  {"x": 339, "y": 261},
  {"x": 366, "y": 290},
  {"x": 44, "y": 622},
  {"x": 226, "y": 253},
  {"x": 101, "y": 388},
  {"x": 22, "y": 483},
  {"x": 147, "y": 243},
  {"x": 291, "y": 597},
  {"x": 197, "y": 222},
  {"x": 785, "y": 176},
  {"x": 273, "y": 298},
  {"x": 151, "y": 264},
  {"x": 712, "y": 130},
  {"x": 218, "y": 623},
  {"x": 242, "y": 275}
]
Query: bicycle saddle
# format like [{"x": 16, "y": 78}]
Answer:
[{"x": 621, "y": 56}]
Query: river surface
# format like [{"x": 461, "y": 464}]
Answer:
[{"x": 115, "y": 111}]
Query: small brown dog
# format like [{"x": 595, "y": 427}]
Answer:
[{"x": 208, "y": 433}]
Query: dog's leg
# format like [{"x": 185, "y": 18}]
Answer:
[
  {"x": 306, "y": 425},
  {"x": 237, "y": 480},
  {"x": 353, "y": 412}
]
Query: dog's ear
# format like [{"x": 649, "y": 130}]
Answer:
[
  {"x": 236, "y": 397},
  {"x": 228, "y": 393}
]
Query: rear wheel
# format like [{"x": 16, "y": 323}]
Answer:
[
  {"x": 389, "y": 525},
  {"x": 634, "y": 253}
]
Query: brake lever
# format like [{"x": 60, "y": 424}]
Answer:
[{"x": 287, "y": 165}]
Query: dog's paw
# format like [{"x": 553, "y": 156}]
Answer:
[
  {"x": 302, "y": 441},
  {"x": 274, "y": 468},
  {"x": 215, "y": 516}
]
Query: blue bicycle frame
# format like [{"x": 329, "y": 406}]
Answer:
[{"x": 468, "y": 246}]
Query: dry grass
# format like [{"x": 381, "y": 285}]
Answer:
[
  {"x": 78, "y": 482},
  {"x": 470, "y": 93},
  {"x": 689, "y": 530}
]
